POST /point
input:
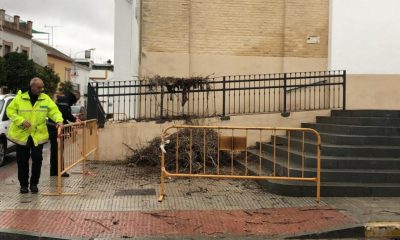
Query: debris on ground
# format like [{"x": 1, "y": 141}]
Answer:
[{"x": 196, "y": 147}]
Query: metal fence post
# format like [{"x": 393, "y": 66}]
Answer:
[
  {"x": 94, "y": 108},
  {"x": 97, "y": 100},
  {"x": 344, "y": 90},
  {"x": 284, "y": 92},
  {"x": 162, "y": 103},
  {"x": 223, "y": 95},
  {"x": 91, "y": 112}
]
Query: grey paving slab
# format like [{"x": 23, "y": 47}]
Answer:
[
  {"x": 368, "y": 209},
  {"x": 97, "y": 193}
]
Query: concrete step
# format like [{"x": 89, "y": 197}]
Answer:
[
  {"x": 343, "y": 139},
  {"x": 360, "y": 156},
  {"x": 328, "y": 189},
  {"x": 353, "y": 130},
  {"x": 334, "y": 162},
  {"x": 327, "y": 175},
  {"x": 360, "y": 121},
  {"x": 366, "y": 113},
  {"x": 341, "y": 150}
]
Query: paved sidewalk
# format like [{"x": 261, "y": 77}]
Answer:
[{"x": 121, "y": 202}]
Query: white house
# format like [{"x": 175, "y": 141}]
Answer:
[
  {"x": 80, "y": 79},
  {"x": 15, "y": 35},
  {"x": 102, "y": 71},
  {"x": 39, "y": 54}
]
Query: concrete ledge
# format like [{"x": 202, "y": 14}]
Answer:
[
  {"x": 353, "y": 231},
  {"x": 382, "y": 230},
  {"x": 373, "y": 230},
  {"x": 25, "y": 235}
]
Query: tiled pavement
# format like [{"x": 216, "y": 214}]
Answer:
[{"x": 197, "y": 208}]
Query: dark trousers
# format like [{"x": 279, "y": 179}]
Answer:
[
  {"x": 24, "y": 152},
  {"x": 53, "y": 149}
]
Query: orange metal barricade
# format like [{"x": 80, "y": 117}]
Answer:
[
  {"x": 214, "y": 152},
  {"x": 76, "y": 142}
]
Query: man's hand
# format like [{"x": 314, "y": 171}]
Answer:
[
  {"x": 78, "y": 120},
  {"x": 26, "y": 124},
  {"x": 60, "y": 125}
]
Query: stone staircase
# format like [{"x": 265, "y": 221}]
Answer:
[{"x": 360, "y": 156}]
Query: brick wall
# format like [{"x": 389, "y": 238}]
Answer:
[
  {"x": 306, "y": 18},
  {"x": 267, "y": 28},
  {"x": 165, "y": 25}
]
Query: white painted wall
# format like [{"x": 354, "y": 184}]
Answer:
[
  {"x": 80, "y": 75},
  {"x": 17, "y": 42},
  {"x": 101, "y": 75},
  {"x": 126, "y": 39},
  {"x": 39, "y": 55},
  {"x": 365, "y": 36}
]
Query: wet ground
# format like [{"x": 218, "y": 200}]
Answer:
[{"x": 116, "y": 201}]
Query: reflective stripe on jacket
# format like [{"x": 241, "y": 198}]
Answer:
[{"x": 20, "y": 109}]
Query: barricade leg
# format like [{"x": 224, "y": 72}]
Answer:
[{"x": 162, "y": 186}]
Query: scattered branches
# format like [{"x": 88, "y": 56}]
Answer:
[
  {"x": 148, "y": 155},
  {"x": 175, "y": 85},
  {"x": 195, "y": 147}
]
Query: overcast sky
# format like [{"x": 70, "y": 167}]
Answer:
[{"x": 80, "y": 24}]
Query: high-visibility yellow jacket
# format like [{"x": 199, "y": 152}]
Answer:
[{"x": 20, "y": 109}]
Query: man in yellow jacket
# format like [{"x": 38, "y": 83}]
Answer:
[{"x": 28, "y": 112}]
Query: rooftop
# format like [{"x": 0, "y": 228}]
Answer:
[
  {"x": 53, "y": 52},
  {"x": 15, "y": 25}
]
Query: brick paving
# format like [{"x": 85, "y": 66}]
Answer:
[
  {"x": 9, "y": 169},
  {"x": 262, "y": 222},
  {"x": 195, "y": 208}
]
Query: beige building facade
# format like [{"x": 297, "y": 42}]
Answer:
[
  {"x": 204, "y": 37},
  {"x": 49, "y": 56}
]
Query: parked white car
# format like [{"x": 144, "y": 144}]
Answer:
[{"x": 5, "y": 145}]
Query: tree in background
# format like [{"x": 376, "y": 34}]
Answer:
[
  {"x": 66, "y": 86},
  {"x": 3, "y": 74},
  {"x": 19, "y": 70},
  {"x": 50, "y": 79}
]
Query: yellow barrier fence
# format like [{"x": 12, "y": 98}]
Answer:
[
  {"x": 76, "y": 141},
  {"x": 215, "y": 152}
]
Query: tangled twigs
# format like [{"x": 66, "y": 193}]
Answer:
[
  {"x": 186, "y": 147},
  {"x": 176, "y": 85}
]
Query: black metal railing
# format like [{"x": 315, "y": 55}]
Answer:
[
  {"x": 94, "y": 108},
  {"x": 222, "y": 96}
]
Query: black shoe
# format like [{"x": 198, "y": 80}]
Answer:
[
  {"x": 23, "y": 190},
  {"x": 53, "y": 174},
  {"x": 34, "y": 189},
  {"x": 65, "y": 174}
]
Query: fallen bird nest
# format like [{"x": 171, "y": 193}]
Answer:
[{"x": 204, "y": 149}]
